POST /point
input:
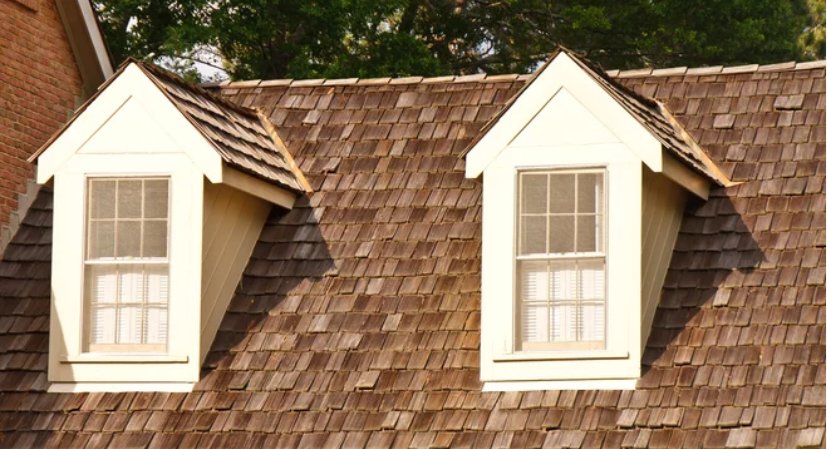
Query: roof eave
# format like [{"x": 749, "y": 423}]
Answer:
[{"x": 88, "y": 43}]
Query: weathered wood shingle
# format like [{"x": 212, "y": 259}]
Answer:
[
  {"x": 357, "y": 322},
  {"x": 244, "y": 138}
]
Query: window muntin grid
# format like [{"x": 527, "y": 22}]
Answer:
[
  {"x": 127, "y": 264},
  {"x": 561, "y": 259}
]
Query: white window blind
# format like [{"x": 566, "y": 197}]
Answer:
[
  {"x": 561, "y": 260},
  {"x": 127, "y": 265}
]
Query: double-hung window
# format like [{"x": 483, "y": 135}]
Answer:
[
  {"x": 127, "y": 265},
  {"x": 561, "y": 260}
]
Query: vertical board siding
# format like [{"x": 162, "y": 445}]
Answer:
[
  {"x": 663, "y": 205},
  {"x": 232, "y": 224}
]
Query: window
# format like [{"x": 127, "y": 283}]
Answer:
[
  {"x": 561, "y": 260},
  {"x": 127, "y": 265}
]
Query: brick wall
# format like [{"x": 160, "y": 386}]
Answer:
[{"x": 39, "y": 81}]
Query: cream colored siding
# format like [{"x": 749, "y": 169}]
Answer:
[
  {"x": 232, "y": 224},
  {"x": 663, "y": 205}
]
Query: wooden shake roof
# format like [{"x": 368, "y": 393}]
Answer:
[{"x": 357, "y": 321}]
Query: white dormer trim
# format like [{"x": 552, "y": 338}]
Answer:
[
  {"x": 566, "y": 124},
  {"x": 561, "y": 72},
  {"x": 132, "y": 130},
  {"x": 130, "y": 87}
]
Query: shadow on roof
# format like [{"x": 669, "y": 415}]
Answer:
[{"x": 715, "y": 251}]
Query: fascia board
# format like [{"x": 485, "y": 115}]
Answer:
[
  {"x": 96, "y": 36},
  {"x": 258, "y": 188},
  {"x": 691, "y": 181},
  {"x": 87, "y": 42},
  {"x": 132, "y": 83},
  {"x": 564, "y": 72}
]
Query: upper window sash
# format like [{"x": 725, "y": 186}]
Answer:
[
  {"x": 561, "y": 213},
  {"x": 127, "y": 220}
]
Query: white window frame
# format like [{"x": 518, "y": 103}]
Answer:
[
  {"x": 503, "y": 365},
  {"x": 69, "y": 359},
  {"x": 119, "y": 348},
  {"x": 575, "y": 256}
]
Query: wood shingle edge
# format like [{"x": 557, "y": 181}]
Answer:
[{"x": 482, "y": 77}]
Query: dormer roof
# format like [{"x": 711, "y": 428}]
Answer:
[
  {"x": 243, "y": 137},
  {"x": 650, "y": 113}
]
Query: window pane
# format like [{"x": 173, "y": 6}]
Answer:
[
  {"x": 533, "y": 280},
  {"x": 101, "y": 283},
  {"x": 592, "y": 321},
  {"x": 535, "y": 321},
  {"x": 562, "y": 298},
  {"x": 101, "y": 239},
  {"x": 563, "y": 321},
  {"x": 590, "y": 193},
  {"x": 129, "y": 199},
  {"x": 156, "y": 198},
  {"x": 131, "y": 279},
  {"x": 561, "y": 191},
  {"x": 129, "y": 325},
  {"x": 591, "y": 279},
  {"x": 534, "y": 194},
  {"x": 102, "y": 324},
  {"x": 155, "y": 239},
  {"x": 534, "y": 298},
  {"x": 562, "y": 281},
  {"x": 102, "y": 198},
  {"x": 533, "y": 235},
  {"x": 155, "y": 325},
  {"x": 129, "y": 239},
  {"x": 586, "y": 233},
  {"x": 157, "y": 284},
  {"x": 561, "y": 234}
]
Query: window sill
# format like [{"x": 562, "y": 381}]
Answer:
[
  {"x": 124, "y": 358},
  {"x": 586, "y": 384},
  {"x": 526, "y": 356},
  {"x": 120, "y": 387}
]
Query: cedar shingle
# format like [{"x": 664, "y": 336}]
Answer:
[{"x": 736, "y": 351}]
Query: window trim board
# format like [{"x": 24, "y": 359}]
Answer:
[
  {"x": 186, "y": 222},
  {"x": 498, "y": 295},
  {"x": 593, "y": 354},
  {"x": 124, "y": 358}
]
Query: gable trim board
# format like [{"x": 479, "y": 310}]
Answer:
[
  {"x": 133, "y": 87},
  {"x": 561, "y": 72},
  {"x": 129, "y": 85},
  {"x": 617, "y": 110}
]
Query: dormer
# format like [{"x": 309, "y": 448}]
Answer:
[
  {"x": 160, "y": 193},
  {"x": 584, "y": 189}
]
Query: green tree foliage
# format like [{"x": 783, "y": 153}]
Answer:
[
  {"x": 152, "y": 30},
  {"x": 369, "y": 38},
  {"x": 812, "y": 40}
]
